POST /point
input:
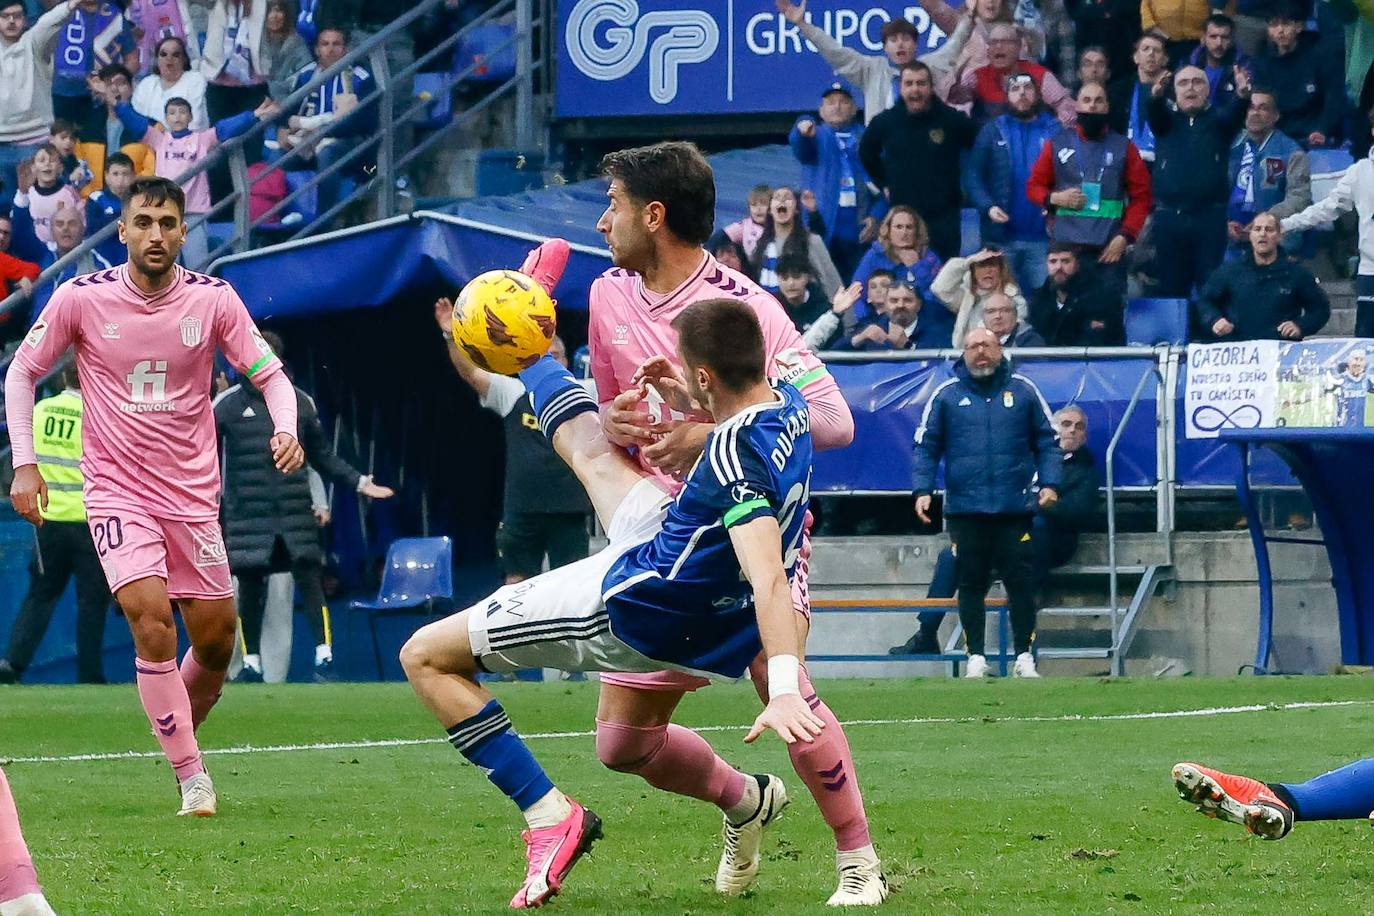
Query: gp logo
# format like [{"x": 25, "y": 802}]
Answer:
[{"x": 684, "y": 37}]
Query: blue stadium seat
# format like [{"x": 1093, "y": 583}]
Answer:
[
  {"x": 1156, "y": 321},
  {"x": 970, "y": 232},
  {"x": 418, "y": 571}
]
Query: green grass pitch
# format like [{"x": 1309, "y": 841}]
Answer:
[{"x": 993, "y": 813}]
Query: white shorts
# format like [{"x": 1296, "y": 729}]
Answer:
[{"x": 557, "y": 619}]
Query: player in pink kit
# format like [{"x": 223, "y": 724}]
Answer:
[
  {"x": 145, "y": 335},
  {"x": 662, "y": 206},
  {"x": 20, "y": 894}
]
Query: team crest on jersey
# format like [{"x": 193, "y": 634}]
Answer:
[
  {"x": 190, "y": 331},
  {"x": 36, "y": 333}
]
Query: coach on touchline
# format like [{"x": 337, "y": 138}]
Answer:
[{"x": 993, "y": 430}]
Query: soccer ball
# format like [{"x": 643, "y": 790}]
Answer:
[{"x": 504, "y": 321}]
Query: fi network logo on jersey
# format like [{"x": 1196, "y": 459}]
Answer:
[
  {"x": 148, "y": 388},
  {"x": 682, "y": 37}
]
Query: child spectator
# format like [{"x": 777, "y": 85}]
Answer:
[
  {"x": 874, "y": 288},
  {"x": 43, "y": 190},
  {"x": 105, "y": 205},
  {"x": 729, "y": 252},
  {"x": 784, "y": 235},
  {"x": 62, "y": 135},
  {"x": 799, "y": 294},
  {"x": 746, "y": 232}
]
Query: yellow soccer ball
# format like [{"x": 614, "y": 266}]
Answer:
[{"x": 503, "y": 321}]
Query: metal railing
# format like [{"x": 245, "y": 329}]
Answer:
[{"x": 394, "y": 115}]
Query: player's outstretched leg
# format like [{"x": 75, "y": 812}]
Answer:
[
  {"x": 440, "y": 665},
  {"x": 1271, "y": 810},
  {"x": 20, "y": 894},
  {"x": 678, "y": 760},
  {"x": 163, "y": 691}
]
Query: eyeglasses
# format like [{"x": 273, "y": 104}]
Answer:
[{"x": 176, "y": 54}]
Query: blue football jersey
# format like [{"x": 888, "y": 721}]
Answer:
[{"x": 682, "y": 598}]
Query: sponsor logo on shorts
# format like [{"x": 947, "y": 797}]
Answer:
[{"x": 210, "y": 551}]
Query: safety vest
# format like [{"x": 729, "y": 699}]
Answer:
[
  {"x": 1101, "y": 161},
  {"x": 57, "y": 442}
]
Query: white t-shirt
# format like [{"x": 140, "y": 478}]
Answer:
[
  {"x": 503, "y": 393},
  {"x": 150, "y": 98}
]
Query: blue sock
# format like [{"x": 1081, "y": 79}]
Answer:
[
  {"x": 489, "y": 741},
  {"x": 1344, "y": 794},
  {"x": 556, "y": 395}
]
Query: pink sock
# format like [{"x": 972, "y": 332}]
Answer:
[
  {"x": 827, "y": 768},
  {"x": 17, "y": 877},
  {"x": 203, "y": 686},
  {"x": 169, "y": 710},
  {"x": 671, "y": 758}
]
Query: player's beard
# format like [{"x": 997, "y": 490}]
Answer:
[{"x": 155, "y": 272}]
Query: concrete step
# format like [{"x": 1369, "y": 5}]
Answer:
[
  {"x": 1089, "y": 611},
  {"x": 1073, "y": 652},
  {"x": 1096, "y": 569}
]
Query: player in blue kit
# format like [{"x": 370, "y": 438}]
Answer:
[{"x": 699, "y": 583}]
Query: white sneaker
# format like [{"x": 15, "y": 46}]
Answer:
[
  {"x": 198, "y": 796},
  {"x": 739, "y": 861},
  {"x": 1024, "y": 666},
  {"x": 27, "y": 905},
  {"x": 861, "y": 880},
  {"x": 977, "y": 666}
]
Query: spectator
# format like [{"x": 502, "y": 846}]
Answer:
[
  {"x": 104, "y": 206},
  {"x": 747, "y": 232},
  {"x": 361, "y": 20},
  {"x": 1192, "y": 148},
  {"x": 1128, "y": 96},
  {"x": 1218, "y": 57},
  {"x": 1109, "y": 24},
  {"x": 825, "y": 332},
  {"x": 878, "y": 77},
  {"x": 987, "y": 14},
  {"x": 987, "y": 86},
  {"x": 1308, "y": 82},
  {"x": 1093, "y": 66},
  {"x": 783, "y": 235},
  {"x": 104, "y": 133},
  {"x": 155, "y": 21},
  {"x": 26, "y": 79},
  {"x": 68, "y": 231},
  {"x": 829, "y": 155},
  {"x": 729, "y": 252},
  {"x": 173, "y": 78},
  {"x": 1093, "y": 182},
  {"x": 64, "y": 548},
  {"x": 800, "y": 295},
  {"x": 874, "y": 287},
  {"x": 1000, "y": 317},
  {"x": 912, "y": 152},
  {"x": 43, "y": 190},
  {"x": 333, "y": 119},
  {"x": 15, "y": 273},
  {"x": 1057, "y": 526},
  {"x": 996, "y": 175},
  {"x": 964, "y": 285},
  {"x": 544, "y": 513},
  {"x": 284, "y": 48},
  {"x": 1264, "y": 296},
  {"x": 269, "y": 523},
  {"x": 78, "y": 174},
  {"x": 1076, "y": 307},
  {"x": 1267, "y": 170},
  {"x": 1178, "y": 22},
  {"x": 1354, "y": 191},
  {"x": 993, "y": 431},
  {"x": 903, "y": 249},
  {"x": 97, "y": 34},
  {"x": 907, "y": 322},
  {"x": 232, "y": 60},
  {"x": 178, "y": 149}
]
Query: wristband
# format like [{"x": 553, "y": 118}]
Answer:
[{"x": 784, "y": 672}]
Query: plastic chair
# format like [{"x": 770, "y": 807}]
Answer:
[
  {"x": 418, "y": 571},
  {"x": 1156, "y": 321}
]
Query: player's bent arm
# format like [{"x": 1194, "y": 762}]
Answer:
[{"x": 832, "y": 423}]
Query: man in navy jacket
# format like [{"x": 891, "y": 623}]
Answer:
[{"x": 993, "y": 429}]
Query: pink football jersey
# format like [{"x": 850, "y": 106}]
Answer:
[
  {"x": 627, "y": 324},
  {"x": 145, "y": 364}
]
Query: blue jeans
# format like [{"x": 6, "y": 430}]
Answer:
[
  {"x": 1028, "y": 263},
  {"x": 11, "y": 154}
]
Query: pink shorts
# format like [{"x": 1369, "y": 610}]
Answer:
[
  {"x": 188, "y": 556},
  {"x": 679, "y": 680}
]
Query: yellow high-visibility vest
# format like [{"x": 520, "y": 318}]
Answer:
[{"x": 57, "y": 442}]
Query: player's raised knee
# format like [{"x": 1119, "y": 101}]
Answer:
[{"x": 627, "y": 748}]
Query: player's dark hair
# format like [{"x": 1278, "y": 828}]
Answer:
[
  {"x": 155, "y": 191},
  {"x": 794, "y": 265},
  {"x": 674, "y": 174},
  {"x": 62, "y": 126},
  {"x": 177, "y": 100},
  {"x": 724, "y": 336},
  {"x": 119, "y": 159}
]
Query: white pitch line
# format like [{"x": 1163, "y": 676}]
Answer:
[{"x": 544, "y": 736}]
